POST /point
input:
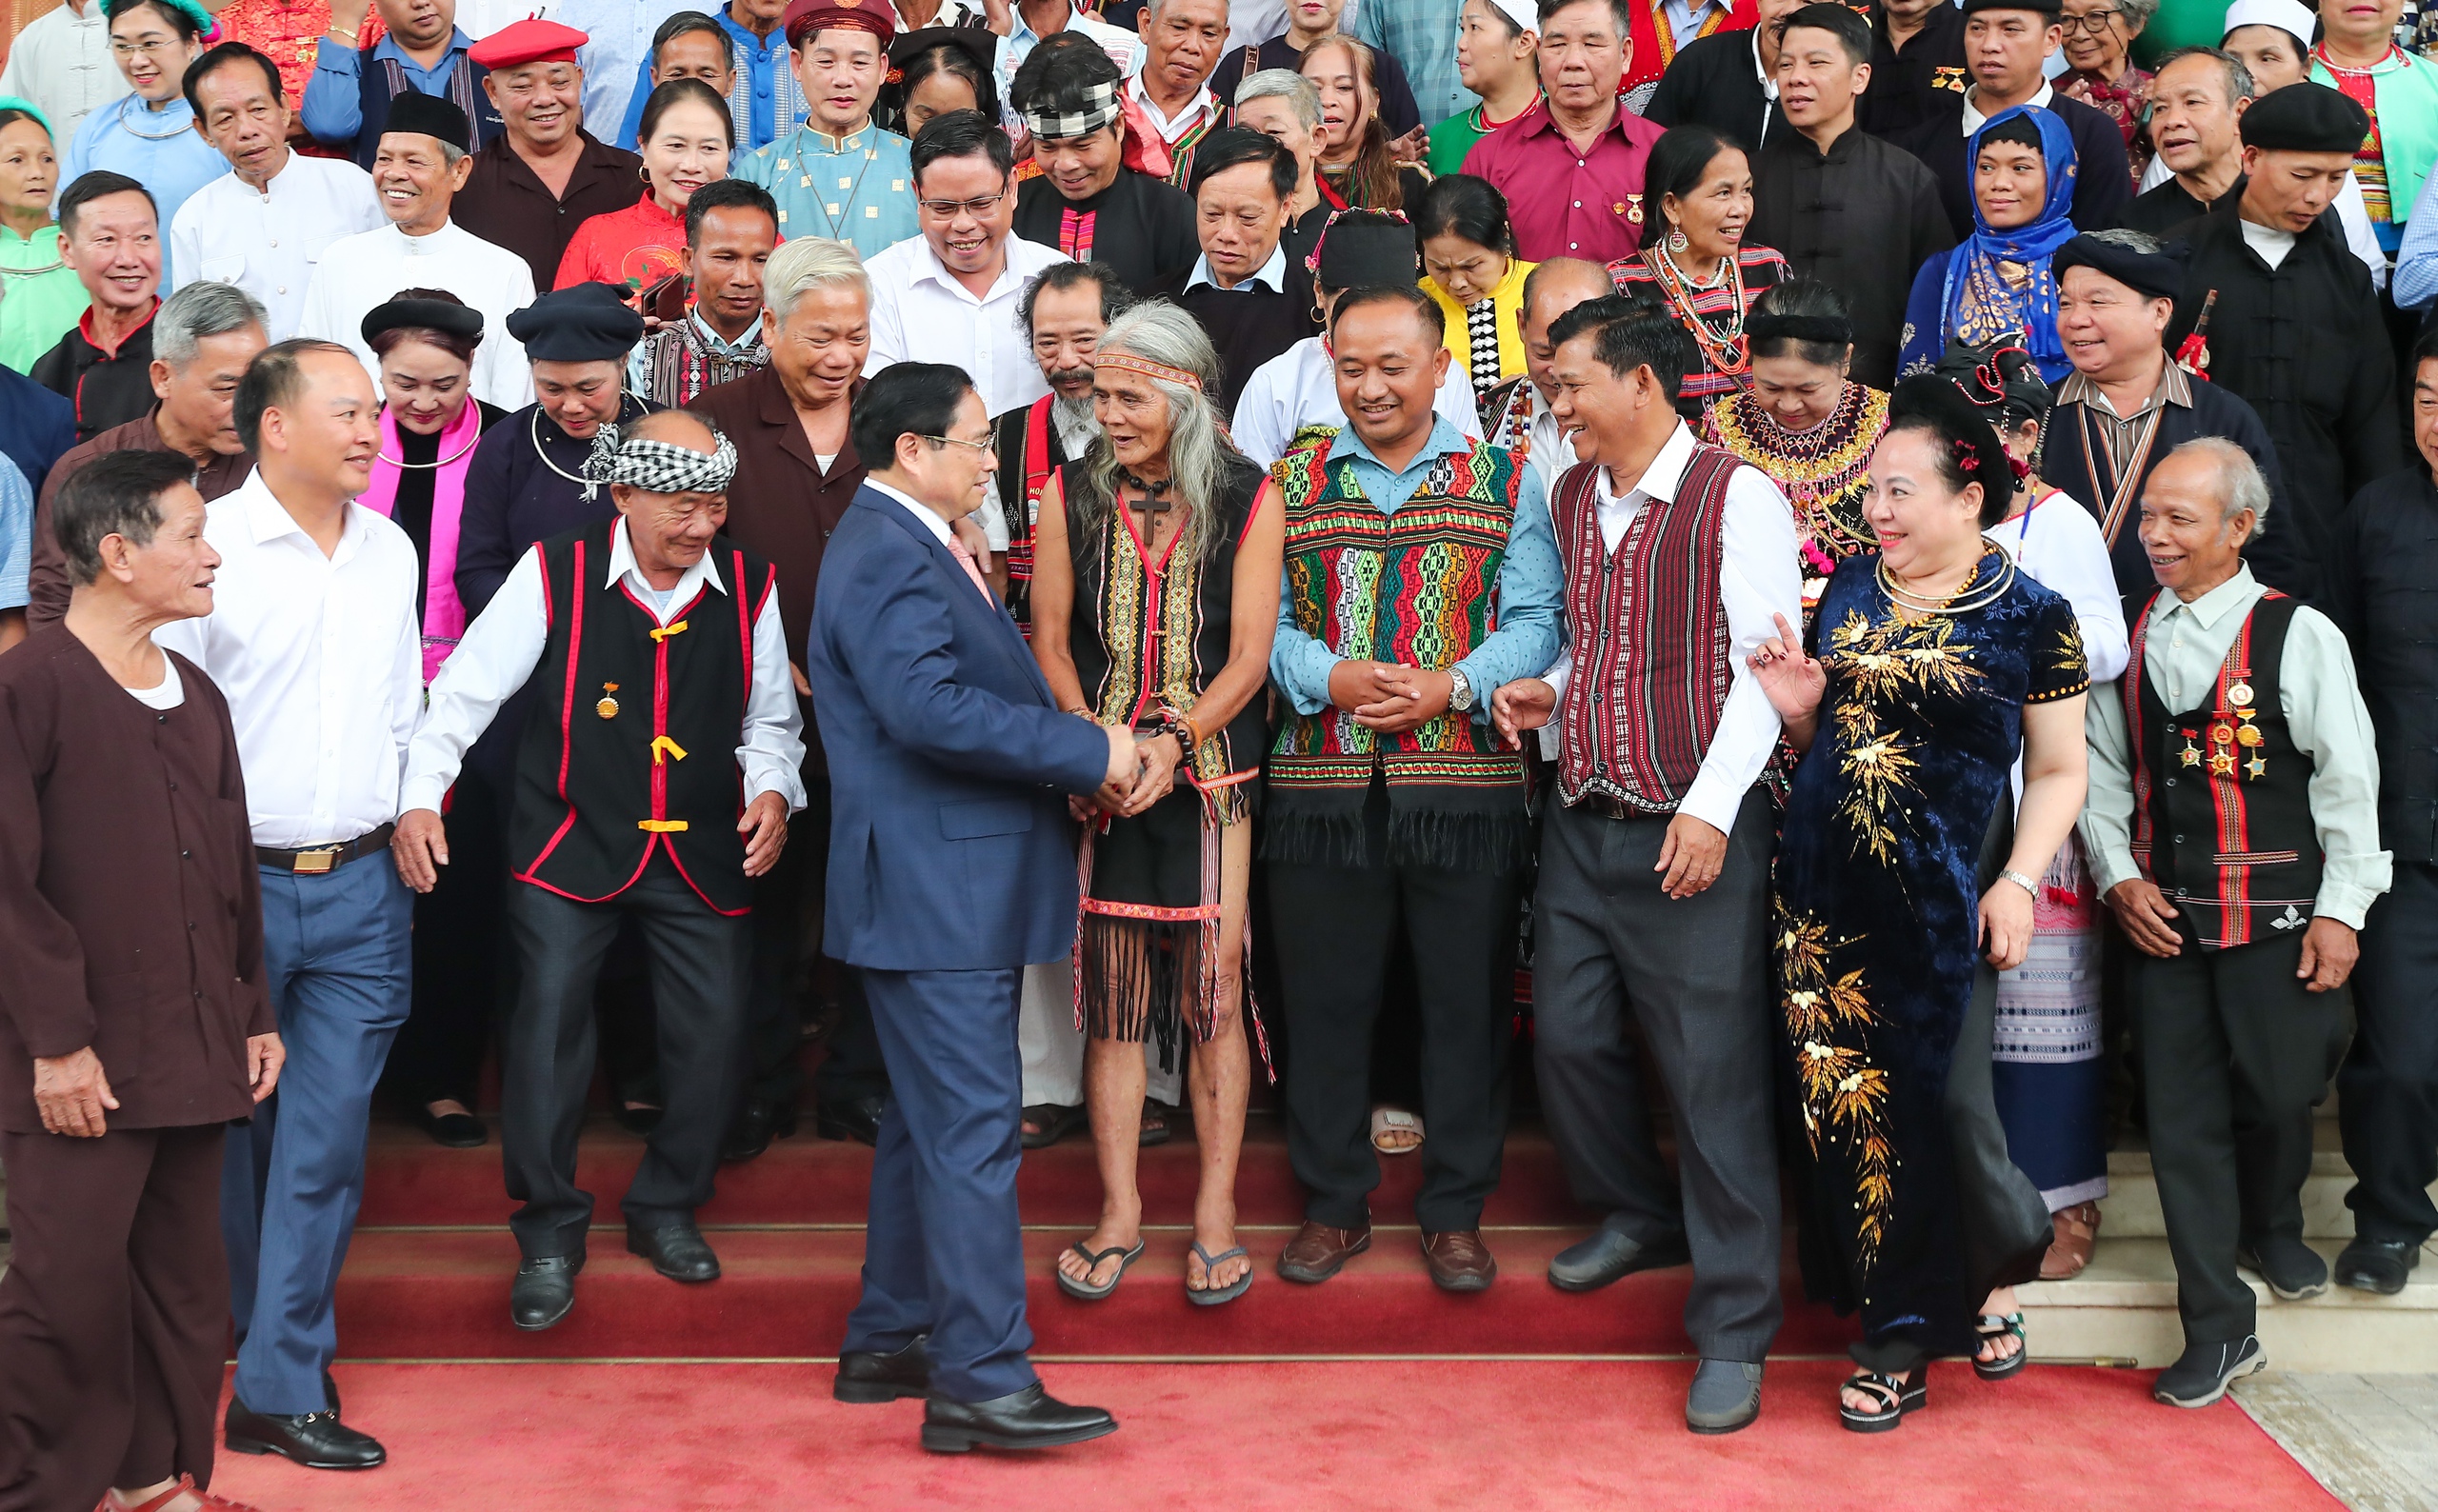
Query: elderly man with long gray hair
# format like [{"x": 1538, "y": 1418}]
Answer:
[
  {"x": 203, "y": 337},
  {"x": 1154, "y": 597}
]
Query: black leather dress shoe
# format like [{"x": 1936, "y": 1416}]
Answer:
[
  {"x": 544, "y": 1292},
  {"x": 458, "y": 1131},
  {"x": 757, "y": 1123},
  {"x": 2377, "y": 1264},
  {"x": 852, "y": 1118},
  {"x": 1609, "y": 1256},
  {"x": 639, "y": 1122},
  {"x": 317, "y": 1441},
  {"x": 677, "y": 1251},
  {"x": 867, "y": 1376},
  {"x": 1030, "y": 1418}
]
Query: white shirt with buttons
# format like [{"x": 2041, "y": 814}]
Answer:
[
  {"x": 921, "y": 313},
  {"x": 268, "y": 241},
  {"x": 62, "y": 62}
]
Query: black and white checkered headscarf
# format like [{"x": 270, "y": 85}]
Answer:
[
  {"x": 657, "y": 467},
  {"x": 1094, "y": 107}
]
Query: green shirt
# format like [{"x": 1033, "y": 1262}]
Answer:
[
  {"x": 40, "y": 299},
  {"x": 1454, "y": 137}
]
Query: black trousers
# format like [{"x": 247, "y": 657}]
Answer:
[
  {"x": 788, "y": 961},
  {"x": 460, "y": 951},
  {"x": 2234, "y": 1056},
  {"x": 699, "y": 963},
  {"x": 2388, "y": 1090},
  {"x": 1334, "y": 927},
  {"x": 113, "y": 1315}
]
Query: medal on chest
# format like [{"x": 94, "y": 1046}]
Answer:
[{"x": 607, "y": 708}]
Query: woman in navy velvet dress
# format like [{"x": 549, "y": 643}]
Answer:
[{"x": 1931, "y": 663}]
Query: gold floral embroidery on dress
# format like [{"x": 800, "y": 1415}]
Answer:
[
  {"x": 1870, "y": 664},
  {"x": 1843, "y": 1096}
]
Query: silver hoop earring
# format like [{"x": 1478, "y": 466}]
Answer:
[{"x": 1676, "y": 241}]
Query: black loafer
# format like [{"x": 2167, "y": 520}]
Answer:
[
  {"x": 639, "y": 1122},
  {"x": 317, "y": 1441},
  {"x": 2202, "y": 1376},
  {"x": 544, "y": 1292},
  {"x": 1609, "y": 1256},
  {"x": 456, "y": 1131},
  {"x": 852, "y": 1118},
  {"x": 2377, "y": 1264},
  {"x": 867, "y": 1376},
  {"x": 2292, "y": 1268},
  {"x": 1030, "y": 1418},
  {"x": 675, "y": 1250},
  {"x": 757, "y": 1123}
]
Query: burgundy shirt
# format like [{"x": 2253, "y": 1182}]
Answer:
[{"x": 1559, "y": 205}]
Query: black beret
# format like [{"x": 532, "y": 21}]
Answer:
[
  {"x": 585, "y": 323},
  {"x": 430, "y": 115},
  {"x": 2305, "y": 117},
  {"x": 2157, "y": 275},
  {"x": 1362, "y": 252},
  {"x": 2047, "y": 7},
  {"x": 424, "y": 314}
]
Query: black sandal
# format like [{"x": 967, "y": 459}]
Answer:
[
  {"x": 1990, "y": 1326},
  {"x": 1898, "y": 1397},
  {"x": 1052, "y": 1123}
]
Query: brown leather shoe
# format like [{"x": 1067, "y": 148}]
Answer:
[
  {"x": 1317, "y": 1251},
  {"x": 1459, "y": 1260},
  {"x": 2075, "y": 1231}
]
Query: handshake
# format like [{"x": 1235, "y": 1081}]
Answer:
[{"x": 1142, "y": 770}]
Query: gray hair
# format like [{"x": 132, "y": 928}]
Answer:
[
  {"x": 807, "y": 263},
  {"x": 199, "y": 310},
  {"x": 1198, "y": 448},
  {"x": 1151, "y": 8},
  {"x": 1301, "y": 94},
  {"x": 2138, "y": 14},
  {"x": 2127, "y": 237},
  {"x": 2240, "y": 84},
  {"x": 2240, "y": 483}
]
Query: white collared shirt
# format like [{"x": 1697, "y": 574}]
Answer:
[
  {"x": 1757, "y": 581},
  {"x": 919, "y": 510},
  {"x": 321, "y": 658},
  {"x": 1298, "y": 388},
  {"x": 1270, "y": 275},
  {"x": 62, "y": 62},
  {"x": 504, "y": 644},
  {"x": 268, "y": 242},
  {"x": 358, "y": 272},
  {"x": 1972, "y": 116},
  {"x": 1201, "y": 107},
  {"x": 1553, "y": 449},
  {"x": 920, "y": 313}
]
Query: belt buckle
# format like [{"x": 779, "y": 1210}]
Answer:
[{"x": 313, "y": 862}]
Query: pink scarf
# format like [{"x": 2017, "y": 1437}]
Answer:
[{"x": 443, "y": 615}]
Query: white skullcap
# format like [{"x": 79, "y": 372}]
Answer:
[
  {"x": 2291, "y": 17},
  {"x": 1522, "y": 13}
]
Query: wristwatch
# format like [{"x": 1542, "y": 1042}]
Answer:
[{"x": 1459, "y": 690}]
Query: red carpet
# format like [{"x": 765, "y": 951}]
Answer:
[{"x": 1512, "y": 1436}]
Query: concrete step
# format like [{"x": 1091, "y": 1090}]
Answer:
[
  {"x": 2130, "y": 1209},
  {"x": 2122, "y": 1309}
]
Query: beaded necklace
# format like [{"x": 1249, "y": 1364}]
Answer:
[{"x": 1723, "y": 344}]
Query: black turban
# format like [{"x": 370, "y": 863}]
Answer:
[
  {"x": 2047, "y": 7},
  {"x": 585, "y": 322},
  {"x": 2305, "y": 117},
  {"x": 1363, "y": 249},
  {"x": 424, "y": 314},
  {"x": 430, "y": 115},
  {"x": 2153, "y": 275}
]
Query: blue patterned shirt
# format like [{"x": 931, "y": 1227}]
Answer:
[{"x": 1420, "y": 35}]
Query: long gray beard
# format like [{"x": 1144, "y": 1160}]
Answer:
[{"x": 1070, "y": 414}]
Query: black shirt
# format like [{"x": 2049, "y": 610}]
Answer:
[
  {"x": 1140, "y": 225},
  {"x": 1397, "y": 111},
  {"x": 107, "y": 388},
  {"x": 411, "y": 510},
  {"x": 2382, "y": 590},
  {"x": 1862, "y": 218},
  {"x": 1909, "y": 85},
  {"x": 1716, "y": 82}
]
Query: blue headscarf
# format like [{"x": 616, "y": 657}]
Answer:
[{"x": 1974, "y": 265}]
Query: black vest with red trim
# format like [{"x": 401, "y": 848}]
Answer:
[
  {"x": 1649, "y": 635},
  {"x": 2222, "y": 803},
  {"x": 632, "y": 750}
]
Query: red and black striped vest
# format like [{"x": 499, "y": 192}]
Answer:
[
  {"x": 2222, "y": 804},
  {"x": 632, "y": 750},
  {"x": 1650, "y": 636}
]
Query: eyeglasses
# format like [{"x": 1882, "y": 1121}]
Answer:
[
  {"x": 2094, "y": 22},
  {"x": 159, "y": 47},
  {"x": 983, "y": 447},
  {"x": 946, "y": 209}
]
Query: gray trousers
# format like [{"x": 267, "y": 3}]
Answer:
[{"x": 1694, "y": 974}]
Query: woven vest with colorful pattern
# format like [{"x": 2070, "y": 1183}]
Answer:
[{"x": 1413, "y": 587}]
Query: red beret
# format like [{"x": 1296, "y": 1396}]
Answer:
[
  {"x": 533, "y": 40},
  {"x": 805, "y": 17}
]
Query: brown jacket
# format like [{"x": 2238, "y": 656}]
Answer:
[
  {"x": 781, "y": 506},
  {"x": 131, "y": 911},
  {"x": 46, "y": 577}
]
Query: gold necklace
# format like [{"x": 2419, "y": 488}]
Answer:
[{"x": 1905, "y": 599}]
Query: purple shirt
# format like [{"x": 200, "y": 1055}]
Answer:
[{"x": 1560, "y": 205}]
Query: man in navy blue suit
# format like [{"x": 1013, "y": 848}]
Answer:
[{"x": 952, "y": 865}]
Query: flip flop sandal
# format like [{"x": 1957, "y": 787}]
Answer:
[
  {"x": 1155, "y": 1129},
  {"x": 1386, "y": 1120},
  {"x": 1054, "y": 1122},
  {"x": 1213, "y": 1296},
  {"x": 1990, "y": 1326},
  {"x": 1897, "y": 1398},
  {"x": 1083, "y": 1290}
]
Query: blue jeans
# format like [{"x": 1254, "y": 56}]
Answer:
[{"x": 335, "y": 954}]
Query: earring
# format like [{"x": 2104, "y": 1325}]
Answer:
[{"x": 1676, "y": 241}]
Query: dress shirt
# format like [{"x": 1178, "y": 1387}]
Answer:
[
  {"x": 16, "y": 534},
  {"x": 62, "y": 62},
  {"x": 1299, "y": 388},
  {"x": 1758, "y": 580},
  {"x": 1563, "y": 206},
  {"x": 919, "y": 510},
  {"x": 858, "y": 189},
  {"x": 267, "y": 242},
  {"x": 1203, "y": 107},
  {"x": 1271, "y": 274},
  {"x": 321, "y": 659},
  {"x": 1686, "y": 17},
  {"x": 1420, "y": 34},
  {"x": 159, "y": 149},
  {"x": 2324, "y": 713},
  {"x": 766, "y": 103},
  {"x": 358, "y": 272},
  {"x": 619, "y": 36},
  {"x": 1124, "y": 49},
  {"x": 1528, "y": 595},
  {"x": 504, "y": 644},
  {"x": 480, "y": 18},
  {"x": 333, "y": 106},
  {"x": 914, "y": 294}
]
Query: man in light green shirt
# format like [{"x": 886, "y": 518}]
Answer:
[
  {"x": 2234, "y": 828},
  {"x": 838, "y": 176}
]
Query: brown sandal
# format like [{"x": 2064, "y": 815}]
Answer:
[{"x": 2070, "y": 1250}]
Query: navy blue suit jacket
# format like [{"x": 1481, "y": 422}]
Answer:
[{"x": 949, "y": 845}]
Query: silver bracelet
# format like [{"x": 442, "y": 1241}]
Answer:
[{"x": 2027, "y": 884}]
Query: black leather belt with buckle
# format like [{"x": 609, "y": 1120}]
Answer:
[
  {"x": 1608, "y": 808},
  {"x": 311, "y": 861}
]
